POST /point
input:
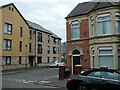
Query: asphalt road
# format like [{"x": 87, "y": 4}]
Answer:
[{"x": 33, "y": 78}]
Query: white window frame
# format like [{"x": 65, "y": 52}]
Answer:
[
  {"x": 78, "y": 27},
  {"x": 110, "y": 48},
  {"x": 97, "y": 21},
  {"x": 93, "y": 55},
  {"x": 117, "y": 14},
  {"x": 91, "y": 28}
]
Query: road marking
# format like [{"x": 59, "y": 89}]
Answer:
[{"x": 21, "y": 81}]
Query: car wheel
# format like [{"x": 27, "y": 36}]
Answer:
[{"x": 82, "y": 88}]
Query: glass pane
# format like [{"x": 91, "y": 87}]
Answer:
[
  {"x": 94, "y": 74},
  {"x": 107, "y": 51},
  {"x": 107, "y": 27},
  {"x": 118, "y": 26},
  {"x": 5, "y": 44},
  {"x": 8, "y": 60},
  {"x": 113, "y": 76},
  {"x": 106, "y": 61},
  {"x": 5, "y": 28},
  {"x": 119, "y": 62},
  {"x": 4, "y": 61},
  {"x": 99, "y": 28}
]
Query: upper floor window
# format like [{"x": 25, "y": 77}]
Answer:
[
  {"x": 30, "y": 34},
  {"x": 91, "y": 26},
  {"x": 104, "y": 24},
  {"x": 30, "y": 47},
  {"x": 20, "y": 46},
  {"x": 7, "y": 28},
  {"x": 39, "y": 48},
  {"x": 54, "y": 50},
  {"x": 21, "y": 31},
  {"x": 75, "y": 30},
  {"x": 48, "y": 38},
  {"x": 54, "y": 40},
  {"x": 39, "y": 37},
  {"x": 118, "y": 23},
  {"x": 7, "y": 44}
]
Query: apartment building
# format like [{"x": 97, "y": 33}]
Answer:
[
  {"x": 44, "y": 45},
  {"x": 24, "y": 43},
  {"x": 93, "y": 35},
  {"x": 13, "y": 39}
]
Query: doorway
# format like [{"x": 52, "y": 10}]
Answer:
[
  {"x": 75, "y": 59},
  {"x": 31, "y": 60}
]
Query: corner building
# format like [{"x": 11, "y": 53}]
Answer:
[{"x": 93, "y": 35}]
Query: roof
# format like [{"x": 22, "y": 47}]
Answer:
[
  {"x": 3, "y": 6},
  {"x": 40, "y": 28},
  {"x": 87, "y": 7}
]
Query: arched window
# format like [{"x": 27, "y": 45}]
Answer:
[
  {"x": 75, "y": 30},
  {"x": 76, "y": 52}
]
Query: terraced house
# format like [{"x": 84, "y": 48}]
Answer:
[
  {"x": 24, "y": 43},
  {"x": 93, "y": 35}
]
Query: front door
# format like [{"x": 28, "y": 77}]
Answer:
[
  {"x": 76, "y": 61},
  {"x": 31, "y": 59}
]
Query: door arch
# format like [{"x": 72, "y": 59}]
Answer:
[{"x": 75, "y": 59}]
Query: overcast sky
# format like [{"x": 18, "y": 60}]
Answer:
[{"x": 50, "y": 14}]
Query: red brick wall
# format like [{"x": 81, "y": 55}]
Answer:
[{"x": 83, "y": 44}]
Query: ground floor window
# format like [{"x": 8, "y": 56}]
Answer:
[
  {"x": 20, "y": 60},
  {"x": 106, "y": 57},
  {"x": 48, "y": 60},
  {"x": 39, "y": 60},
  {"x": 93, "y": 57},
  {"x": 6, "y": 60},
  {"x": 119, "y": 57},
  {"x": 54, "y": 58}
]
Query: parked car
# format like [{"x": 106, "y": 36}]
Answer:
[
  {"x": 56, "y": 63},
  {"x": 95, "y": 79}
]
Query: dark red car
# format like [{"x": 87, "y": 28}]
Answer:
[{"x": 95, "y": 79}]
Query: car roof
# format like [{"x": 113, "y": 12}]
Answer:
[{"x": 106, "y": 70}]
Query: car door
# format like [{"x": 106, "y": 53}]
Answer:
[
  {"x": 95, "y": 81},
  {"x": 111, "y": 81}
]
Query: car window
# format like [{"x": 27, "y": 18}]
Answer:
[
  {"x": 110, "y": 75},
  {"x": 94, "y": 74},
  {"x": 114, "y": 76}
]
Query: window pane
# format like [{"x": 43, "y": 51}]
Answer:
[
  {"x": 107, "y": 51},
  {"x": 5, "y": 28},
  {"x": 106, "y": 61},
  {"x": 4, "y": 61},
  {"x": 107, "y": 27},
  {"x": 75, "y": 30},
  {"x": 104, "y": 24},
  {"x": 99, "y": 28}
]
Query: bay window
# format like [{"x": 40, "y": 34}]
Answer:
[
  {"x": 106, "y": 57},
  {"x": 104, "y": 24}
]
